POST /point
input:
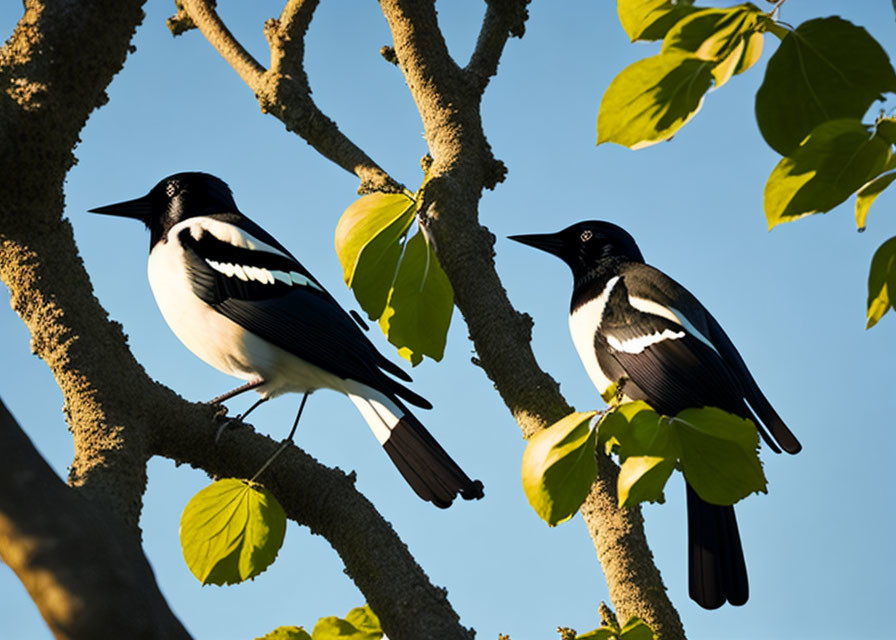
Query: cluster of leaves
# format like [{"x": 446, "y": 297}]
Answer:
[
  {"x": 361, "y": 623},
  {"x": 396, "y": 279},
  {"x": 716, "y": 451},
  {"x": 818, "y": 86}
]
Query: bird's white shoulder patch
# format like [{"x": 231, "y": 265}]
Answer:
[
  {"x": 637, "y": 345},
  {"x": 672, "y": 314},
  {"x": 583, "y": 325},
  {"x": 236, "y": 237}
]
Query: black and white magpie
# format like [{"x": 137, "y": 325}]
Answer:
[
  {"x": 635, "y": 327},
  {"x": 241, "y": 302}
]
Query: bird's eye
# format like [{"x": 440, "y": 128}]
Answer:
[
  {"x": 586, "y": 235},
  {"x": 170, "y": 189}
]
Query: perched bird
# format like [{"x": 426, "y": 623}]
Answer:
[
  {"x": 635, "y": 327},
  {"x": 241, "y": 302}
]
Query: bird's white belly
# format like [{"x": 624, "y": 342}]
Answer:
[
  {"x": 219, "y": 341},
  {"x": 582, "y": 326}
]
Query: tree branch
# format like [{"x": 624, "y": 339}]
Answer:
[
  {"x": 86, "y": 574},
  {"x": 503, "y": 18},
  {"x": 59, "y": 60},
  {"x": 286, "y": 94},
  {"x": 500, "y": 334}
]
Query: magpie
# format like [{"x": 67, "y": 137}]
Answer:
[
  {"x": 637, "y": 329},
  {"x": 245, "y": 305}
]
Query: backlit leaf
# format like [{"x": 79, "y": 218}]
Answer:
[
  {"x": 647, "y": 448},
  {"x": 650, "y": 100},
  {"x": 881, "y": 282},
  {"x": 826, "y": 69},
  {"x": 868, "y": 194},
  {"x": 367, "y": 243},
  {"x": 286, "y": 633},
  {"x": 837, "y": 158},
  {"x": 719, "y": 454},
  {"x": 559, "y": 467},
  {"x": 420, "y": 303},
  {"x": 636, "y": 629},
  {"x": 231, "y": 531},
  {"x": 361, "y": 623},
  {"x": 720, "y": 36},
  {"x": 642, "y": 479},
  {"x": 651, "y": 19}
]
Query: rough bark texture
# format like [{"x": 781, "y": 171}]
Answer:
[{"x": 85, "y": 572}]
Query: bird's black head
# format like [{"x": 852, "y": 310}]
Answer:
[
  {"x": 587, "y": 247},
  {"x": 174, "y": 199}
]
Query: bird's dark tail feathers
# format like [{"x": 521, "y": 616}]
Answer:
[
  {"x": 426, "y": 466},
  {"x": 717, "y": 572}
]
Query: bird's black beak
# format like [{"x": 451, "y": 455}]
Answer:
[
  {"x": 138, "y": 209},
  {"x": 550, "y": 242}
]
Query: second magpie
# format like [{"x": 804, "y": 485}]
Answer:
[
  {"x": 241, "y": 302},
  {"x": 636, "y": 328}
]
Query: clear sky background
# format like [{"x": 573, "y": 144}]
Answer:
[{"x": 818, "y": 546}]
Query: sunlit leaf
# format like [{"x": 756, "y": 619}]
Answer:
[
  {"x": 643, "y": 478},
  {"x": 837, "y": 158},
  {"x": 719, "y": 454},
  {"x": 286, "y": 633},
  {"x": 881, "y": 282},
  {"x": 651, "y": 19},
  {"x": 720, "y": 36},
  {"x": 601, "y": 633},
  {"x": 650, "y": 100},
  {"x": 367, "y": 243},
  {"x": 361, "y": 623},
  {"x": 647, "y": 448},
  {"x": 868, "y": 194},
  {"x": 559, "y": 467},
  {"x": 636, "y": 629},
  {"x": 826, "y": 69},
  {"x": 418, "y": 311},
  {"x": 231, "y": 531}
]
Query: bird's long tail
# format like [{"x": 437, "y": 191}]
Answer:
[
  {"x": 716, "y": 569},
  {"x": 423, "y": 463}
]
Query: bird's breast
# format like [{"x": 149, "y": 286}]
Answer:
[{"x": 221, "y": 342}]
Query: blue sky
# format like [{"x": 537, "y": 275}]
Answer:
[{"x": 818, "y": 546}]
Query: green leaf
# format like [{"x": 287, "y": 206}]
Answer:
[
  {"x": 559, "y": 467},
  {"x": 650, "y": 100},
  {"x": 868, "y": 194},
  {"x": 643, "y": 478},
  {"x": 231, "y": 531},
  {"x": 367, "y": 243},
  {"x": 719, "y": 454},
  {"x": 837, "y": 158},
  {"x": 651, "y": 19},
  {"x": 720, "y": 36},
  {"x": 647, "y": 449},
  {"x": 286, "y": 633},
  {"x": 360, "y": 624},
  {"x": 881, "y": 282},
  {"x": 420, "y": 303},
  {"x": 636, "y": 629},
  {"x": 601, "y": 633},
  {"x": 886, "y": 129},
  {"x": 826, "y": 69}
]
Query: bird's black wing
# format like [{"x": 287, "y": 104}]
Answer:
[
  {"x": 664, "y": 364},
  {"x": 648, "y": 283},
  {"x": 272, "y": 295}
]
